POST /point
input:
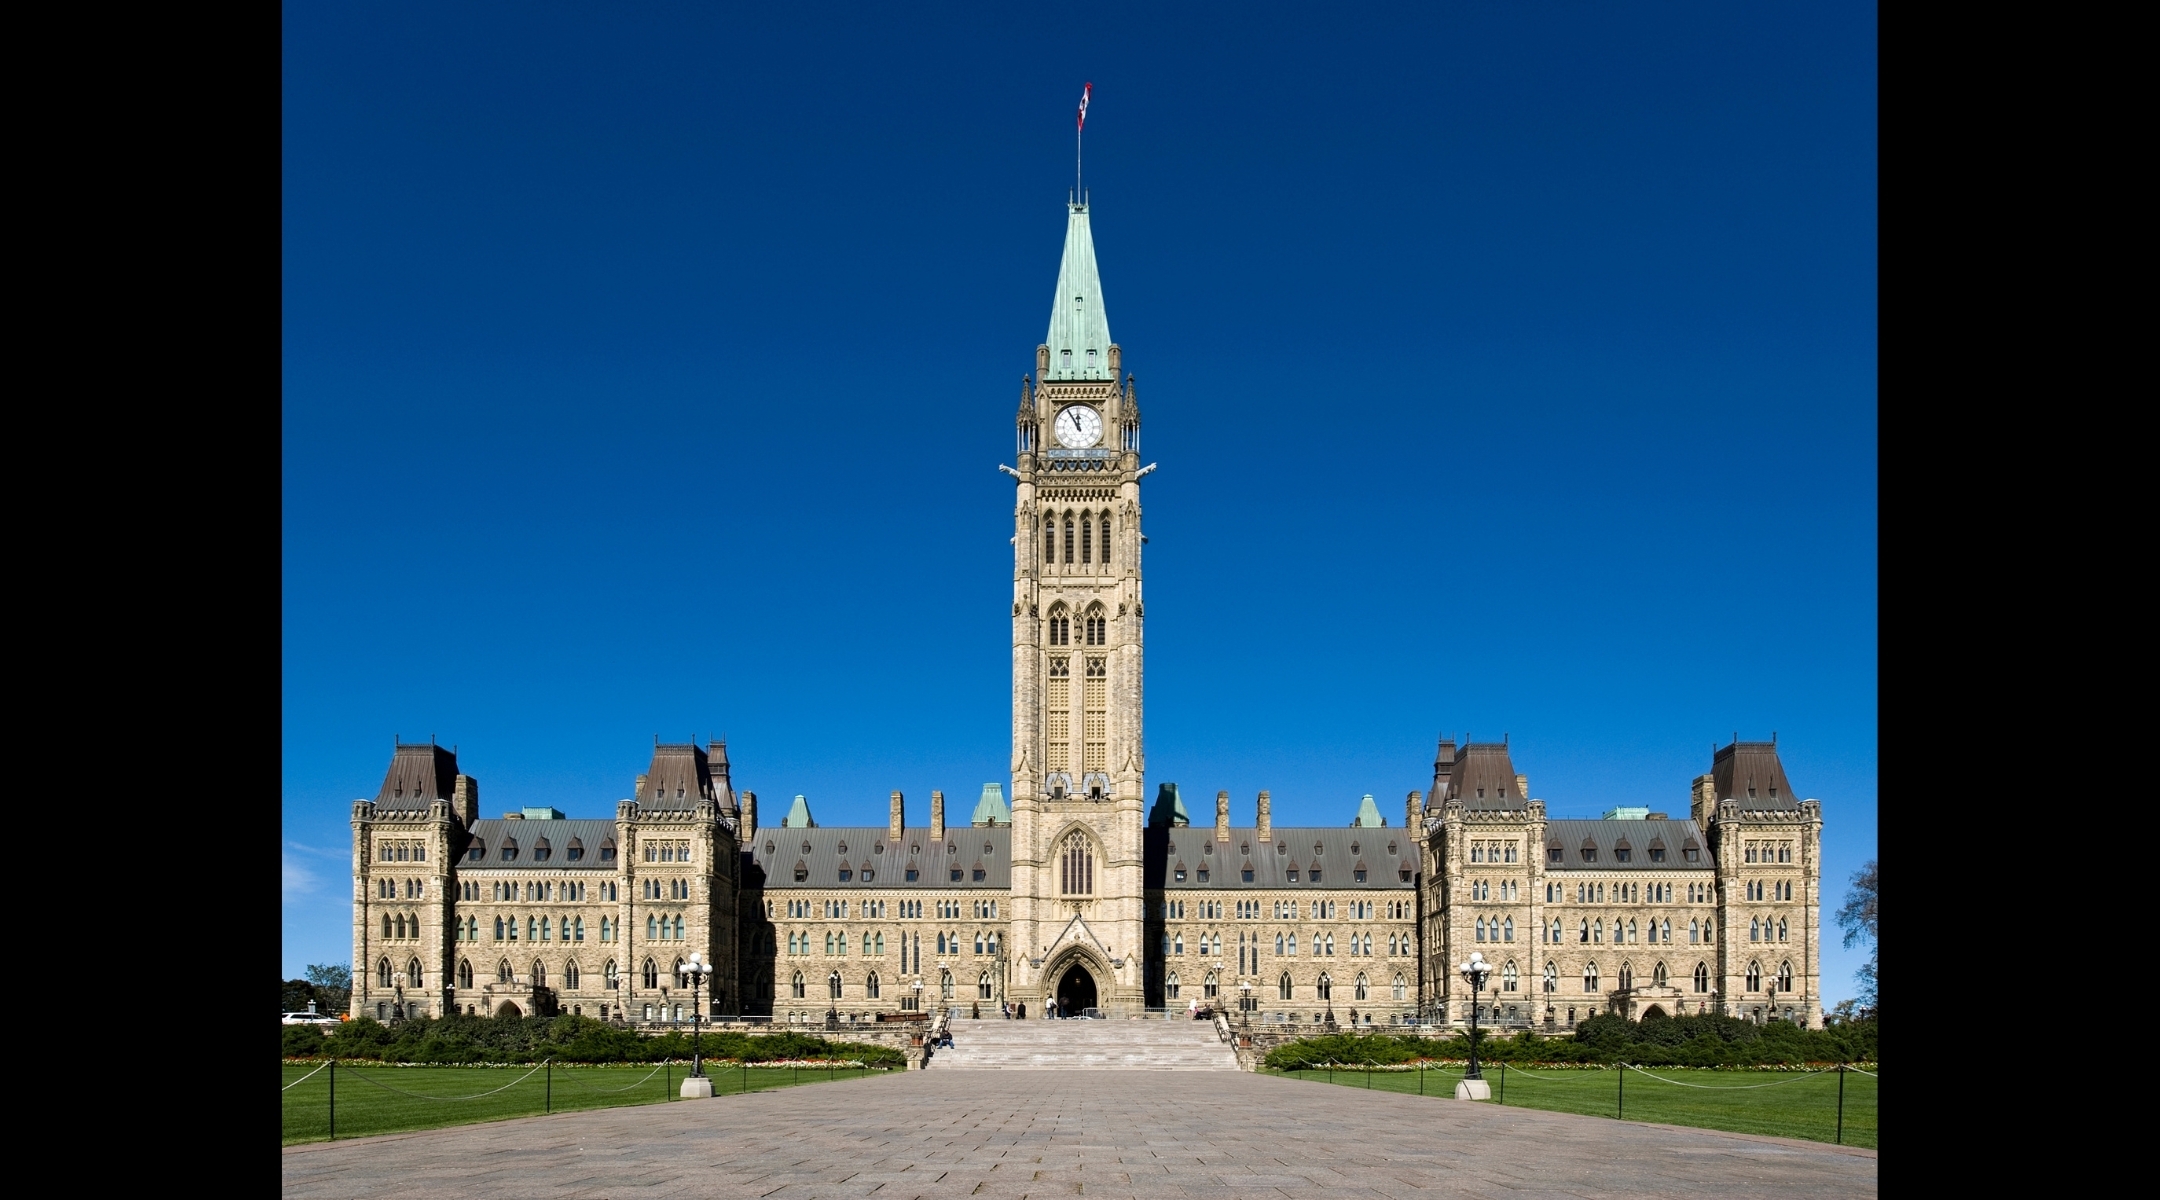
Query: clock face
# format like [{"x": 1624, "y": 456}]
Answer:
[{"x": 1079, "y": 426}]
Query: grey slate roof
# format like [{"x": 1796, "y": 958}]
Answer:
[
  {"x": 419, "y": 774},
  {"x": 492, "y": 836},
  {"x": 1480, "y": 776},
  {"x": 1194, "y": 846},
  {"x": 1751, "y": 773},
  {"x": 1607, "y": 837},
  {"x": 777, "y": 853}
]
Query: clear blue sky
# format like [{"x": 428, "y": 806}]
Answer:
[{"x": 1511, "y": 369}]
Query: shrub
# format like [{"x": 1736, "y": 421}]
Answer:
[
  {"x": 1705, "y": 1040},
  {"x": 568, "y": 1038}
]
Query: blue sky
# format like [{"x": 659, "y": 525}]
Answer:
[{"x": 1511, "y": 369}]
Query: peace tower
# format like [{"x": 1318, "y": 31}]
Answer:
[{"x": 1078, "y": 758}]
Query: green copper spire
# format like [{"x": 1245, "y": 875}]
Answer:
[
  {"x": 1169, "y": 810},
  {"x": 1368, "y": 815},
  {"x": 991, "y": 809},
  {"x": 798, "y": 816},
  {"x": 1079, "y": 338}
]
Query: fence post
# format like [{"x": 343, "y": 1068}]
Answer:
[
  {"x": 333, "y": 1099},
  {"x": 669, "y": 1082},
  {"x": 1841, "y": 1104},
  {"x": 1368, "y": 1077},
  {"x": 1421, "y": 1077},
  {"x": 1503, "y": 1084},
  {"x": 1622, "y": 1114},
  {"x": 549, "y": 1103},
  {"x": 744, "y": 1067}
]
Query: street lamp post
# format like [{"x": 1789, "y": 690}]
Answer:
[
  {"x": 1245, "y": 1003},
  {"x": 695, "y": 972},
  {"x": 1473, "y": 1085}
]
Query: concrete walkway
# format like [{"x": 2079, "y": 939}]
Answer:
[{"x": 1016, "y": 1133}]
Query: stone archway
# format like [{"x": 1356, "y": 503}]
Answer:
[
  {"x": 1653, "y": 1011},
  {"x": 509, "y": 1009},
  {"x": 1076, "y": 990}
]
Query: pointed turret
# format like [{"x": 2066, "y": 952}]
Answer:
[{"x": 1079, "y": 341}]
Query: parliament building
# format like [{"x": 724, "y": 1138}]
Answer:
[{"x": 1084, "y": 894}]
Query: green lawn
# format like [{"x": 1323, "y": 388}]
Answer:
[
  {"x": 1797, "y": 1106},
  {"x": 432, "y": 1097}
]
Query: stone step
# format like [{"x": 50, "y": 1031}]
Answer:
[{"x": 1084, "y": 1045}]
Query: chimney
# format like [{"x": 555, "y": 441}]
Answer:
[
  {"x": 749, "y": 817},
  {"x": 896, "y": 819},
  {"x": 1522, "y": 787},
  {"x": 1413, "y": 808},
  {"x": 1267, "y": 823},
  {"x": 1222, "y": 816},
  {"x": 1704, "y": 806},
  {"x": 937, "y": 816},
  {"x": 465, "y": 800},
  {"x": 637, "y": 790}
]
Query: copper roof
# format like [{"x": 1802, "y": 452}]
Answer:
[
  {"x": 420, "y": 773},
  {"x": 1750, "y": 773}
]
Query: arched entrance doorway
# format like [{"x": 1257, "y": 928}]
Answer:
[
  {"x": 1076, "y": 991},
  {"x": 508, "y": 1010},
  {"x": 1653, "y": 1011}
]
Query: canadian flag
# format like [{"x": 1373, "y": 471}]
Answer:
[{"x": 1086, "y": 90}]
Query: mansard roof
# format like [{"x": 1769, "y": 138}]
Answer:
[
  {"x": 684, "y": 773},
  {"x": 1480, "y": 776},
  {"x": 1339, "y": 852},
  {"x": 490, "y": 838},
  {"x": 1750, "y": 773},
  {"x": 1571, "y": 838},
  {"x": 420, "y": 773},
  {"x": 778, "y": 852}
]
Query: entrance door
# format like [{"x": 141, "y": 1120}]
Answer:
[{"x": 1076, "y": 991}]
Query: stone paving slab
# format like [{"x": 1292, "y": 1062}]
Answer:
[{"x": 1017, "y": 1134}]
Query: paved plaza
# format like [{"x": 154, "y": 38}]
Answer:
[{"x": 1063, "y": 1133}]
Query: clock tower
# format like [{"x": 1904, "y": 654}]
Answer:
[{"x": 1078, "y": 757}]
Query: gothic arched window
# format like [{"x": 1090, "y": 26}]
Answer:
[
  {"x": 832, "y": 985},
  {"x": 1589, "y": 978},
  {"x": 1068, "y": 537},
  {"x": 1754, "y": 977},
  {"x": 1076, "y": 867},
  {"x": 1510, "y": 978},
  {"x": 503, "y": 973},
  {"x": 1327, "y": 987},
  {"x": 1784, "y": 978},
  {"x": 652, "y": 974},
  {"x": 1282, "y": 986},
  {"x": 570, "y": 976},
  {"x": 1402, "y": 988},
  {"x": 1360, "y": 989},
  {"x": 870, "y": 986},
  {"x": 1087, "y": 537},
  {"x": 464, "y": 973},
  {"x": 1657, "y": 975},
  {"x": 1627, "y": 977},
  {"x": 797, "y": 985},
  {"x": 1702, "y": 977},
  {"x": 1170, "y": 986},
  {"x": 382, "y": 973},
  {"x": 412, "y": 973}
]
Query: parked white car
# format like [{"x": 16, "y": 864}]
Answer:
[{"x": 308, "y": 1018}]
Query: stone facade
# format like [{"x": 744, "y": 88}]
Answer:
[{"x": 1082, "y": 894}]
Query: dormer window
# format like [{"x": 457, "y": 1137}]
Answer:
[
  {"x": 1589, "y": 854},
  {"x": 1692, "y": 854},
  {"x": 476, "y": 851},
  {"x": 1553, "y": 854},
  {"x": 1622, "y": 854},
  {"x": 509, "y": 849},
  {"x": 607, "y": 852},
  {"x": 575, "y": 851},
  {"x": 1177, "y": 874}
]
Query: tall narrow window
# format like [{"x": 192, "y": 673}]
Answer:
[
  {"x": 1095, "y": 703},
  {"x": 1087, "y": 538},
  {"x": 1057, "y": 705},
  {"x": 1076, "y": 867},
  {"x": 1050, "y": 539},
  {"x": 1068, "y": 538},
  {"x": 1702, "y": 977}
]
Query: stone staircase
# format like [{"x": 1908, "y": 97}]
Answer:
[{"x": 994, "y": 1045}]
